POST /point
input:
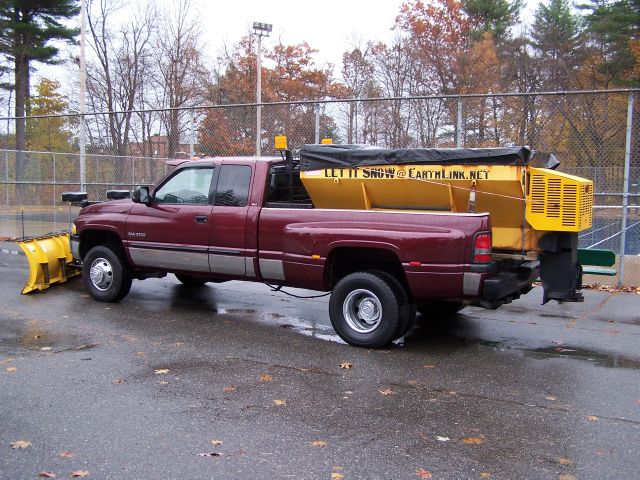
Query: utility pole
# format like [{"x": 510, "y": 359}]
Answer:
[{"x": 261, "y": 30}]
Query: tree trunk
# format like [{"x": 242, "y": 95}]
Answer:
[{"x": 21, "y": 68}]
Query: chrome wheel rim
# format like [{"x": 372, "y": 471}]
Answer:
[
  {"x": 101, "y": 274},
  {"x": 362, "y": 310}
]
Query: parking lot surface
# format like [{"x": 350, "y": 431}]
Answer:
[{"x": 233, "y": 381}]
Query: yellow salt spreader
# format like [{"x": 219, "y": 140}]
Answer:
[{"x": 536, "y": 211}]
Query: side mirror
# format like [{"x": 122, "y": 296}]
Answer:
[{"x": 141, "y": 195}]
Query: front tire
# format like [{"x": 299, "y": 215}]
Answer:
[
  {"x": 106, "y": 274},
  {"x": 364, "y": 309}
]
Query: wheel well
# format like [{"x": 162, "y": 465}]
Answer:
[
  {"x": 91, "y": 238},
  {"x": 345, "y": 260}
]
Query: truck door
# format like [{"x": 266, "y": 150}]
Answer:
[
  {"x": 228, "y": 244},
  {"x": 173, "y": 232}
]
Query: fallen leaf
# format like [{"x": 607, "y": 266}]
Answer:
[
  {"x": 265, "y": 377},
  {"x": 319, "y": 443},
  {"x": 163, "y": 382},
  {"x": 566, "y": 476},
  {"x": 46, "y": 474},
  {"x": 592, "y": 418},
  {"x": 565, "y": 461},
  {"x": 37, "y": 337},
  {"x": 66, "y": 454},
  {"x": 485, "y": 475},
  {"x": 280, "y": 402},
  {"x": 422, "y": 473},
  {"x": 20, "y": 444},
  {"x": 387, "y": 391},
  {"x": 452, "y": 392},
  {"x": 428, "y": 366},
  {"x": 229, "y": 389},
  {"x": 337, "y": 468},
  {"x": 80, "y": 473},
  {"x": 336, "y": 476},
  {"x": 118, "y": 381},
  {"x": 6, "y": 360},
  {"x": 46, "y": 349},
  {"x": 11, "y": 369},
  {"x": 638, "y": 401},
  {"x": 139, "y": 354},
  {"x": 412, "y": 382},
  {"x": 472, "y": 440},
  {"x": 216, "y": 442},
  {"x": 601, "y": 452},
  {"x": 442, "y": 439},
  {"x": 160, "y": 371},
  {"x": 550, "y": 397},
  {"x": 210, "y": 454},
  {"x": 346, "y": 365}
]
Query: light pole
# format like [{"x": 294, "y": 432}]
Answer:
[
  {"x": 261, "y": 30},
  {"x": 83, "y": 87}
]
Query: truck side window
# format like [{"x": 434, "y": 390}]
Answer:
[
  {"x": 189, "y": 185},
  {"x": 233, "y": 186}
]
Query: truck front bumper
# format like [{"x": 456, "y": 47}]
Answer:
[{"x": 74, "y": 241}]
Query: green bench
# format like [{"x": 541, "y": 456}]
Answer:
[{"x": 597, "y": 262}]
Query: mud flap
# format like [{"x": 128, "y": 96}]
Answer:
[
  {"x": 560, "y": 272},
  {"x": 50, "y": 261}
]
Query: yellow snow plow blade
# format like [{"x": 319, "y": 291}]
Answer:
[{"x": 49, "y": 261}]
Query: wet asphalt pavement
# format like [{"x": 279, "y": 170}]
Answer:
[{"x": 138, "y": 389}]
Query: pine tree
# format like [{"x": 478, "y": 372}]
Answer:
[
  {"x": 26, "y": 29},
  {"x": 556, "y": 39},
  {"x": 493, "y": 16},
  {"x": 613, "y": 28}
]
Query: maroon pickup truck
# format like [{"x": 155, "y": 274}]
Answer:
[{"x": 250, "y": 219}]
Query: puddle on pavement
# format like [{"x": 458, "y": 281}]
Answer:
[
  {"x": 602, "y": 359},
  {"x": 298, "y": 325},
  {"x": 34, "y": 337}
]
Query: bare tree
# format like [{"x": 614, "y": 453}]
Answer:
[
  {"x": 181, "y": 71},
  {"x": 115, "y": 76}
]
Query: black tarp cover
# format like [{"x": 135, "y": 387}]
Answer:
[{"x": 316, "y": 157}]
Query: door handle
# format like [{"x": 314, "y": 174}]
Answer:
[{"x": 200, "y": 219}]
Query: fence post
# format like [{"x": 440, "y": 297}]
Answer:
[
  {"x": 317, "y": 123},
  {"x": 625, "y": 187},
  {"x": 459, "y": 124},
  {"x": 192, "y": 137},
  {"x": 55, "y": 222},
  {"x": 6, "y": 175}
]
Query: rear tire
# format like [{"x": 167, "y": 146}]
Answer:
[
  {"x": 364, "y": 309},
  {"x": 407, "y": 316},
  {"x": 106, "y": 274},
  {"x": 190, "y": 281}
]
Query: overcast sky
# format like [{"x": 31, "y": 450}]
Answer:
[{"x": 329, "y": 26}]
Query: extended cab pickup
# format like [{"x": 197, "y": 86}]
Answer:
[{"x": 224, "y": 219}]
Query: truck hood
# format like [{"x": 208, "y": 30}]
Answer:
[{"x": 112, "y": 206}]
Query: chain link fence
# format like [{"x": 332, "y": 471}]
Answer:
[{"x": 593, "y": 134}]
